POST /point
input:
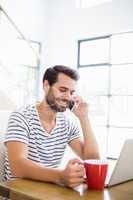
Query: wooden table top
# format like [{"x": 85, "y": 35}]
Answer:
[{"x": 21, "y": 189}]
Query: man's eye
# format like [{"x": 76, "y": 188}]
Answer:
[
  {"x": 73, "y": 93},
  {"x": 62, "y": 90}
]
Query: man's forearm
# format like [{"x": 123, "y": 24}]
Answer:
[
  {"x": 90, "y": 146},
  {"x": 25, "y": 168},
  {"x": 68, "y": 176}
]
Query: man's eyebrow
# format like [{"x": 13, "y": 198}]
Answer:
[{"x": 63, "y": 87}]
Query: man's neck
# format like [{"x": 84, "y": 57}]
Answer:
[{"x": 45, "y": 112}]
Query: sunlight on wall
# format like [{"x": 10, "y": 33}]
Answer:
[{"x": 90, "y": 3}]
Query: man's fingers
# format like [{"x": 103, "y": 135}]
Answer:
[
  {"x": 76, "y": 181},
  {"x": 74, "y": 161},
  {"x": 77, "y": 166},
  {"x": 74, "y": 173},
  {"x": 78, "y": 174}
]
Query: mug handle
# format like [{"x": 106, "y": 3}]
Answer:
[{"x": 83, "y": 164}]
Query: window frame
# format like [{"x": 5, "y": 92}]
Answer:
[
  {"x": 109, "y": 64},
  {"x": 18, "y": 35}
]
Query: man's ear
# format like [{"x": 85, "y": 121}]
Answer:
[{"x": 46, "y": 86}]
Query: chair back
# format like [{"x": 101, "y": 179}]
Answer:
[{"x": 2, "y": 156}]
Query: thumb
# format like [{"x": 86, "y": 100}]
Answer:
[{"x": 75, "y": 160}]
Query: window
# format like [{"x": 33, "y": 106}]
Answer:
[
  {"x": 19, "y": 66},
  {"x": 105, "y": 65}
]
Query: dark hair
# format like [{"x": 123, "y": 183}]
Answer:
[{"x": 51, "y": 74}]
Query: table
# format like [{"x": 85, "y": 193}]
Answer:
[{"x": 22, "y": 189}]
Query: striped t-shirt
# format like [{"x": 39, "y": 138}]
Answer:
[{"x": 48, "y": 149}]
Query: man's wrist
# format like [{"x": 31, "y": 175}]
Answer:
[
  {"x": 60, "y": 179},
  {"x": 83, "y": 117}
]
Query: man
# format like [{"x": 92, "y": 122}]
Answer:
[{"x": 38, "y": 134}]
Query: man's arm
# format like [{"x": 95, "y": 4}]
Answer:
[
  {"x": 22, "y": 167},
  {"x": 88, "y": 148}
]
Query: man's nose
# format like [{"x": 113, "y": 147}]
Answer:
[{"x": 67, "y": 96}]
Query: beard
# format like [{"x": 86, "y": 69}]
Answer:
[{"x": 52, "y": 101}]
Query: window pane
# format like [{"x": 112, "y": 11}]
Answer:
[
  {"x": 6, "y": 28},
  {"x": 121, "y": 111},
  {"x": 122, "y": 48},
  {"x": 94, "y": 51},
  {"x": 98, "y": 106},
  {"x": 93, "y": 80},
  {"x": 101, "y": 136},
  {"x": 18, "y": 51},
  {"x": 122, "y": 80},
  {"x": 116, "y": 139},
  {"x": 20, "y": 87},
  {"x": 14, "y": 50},
  {"x": 27, "y": 54},
  {"x": 97, "y": 83},
  {"x": 18, "y": 70}
]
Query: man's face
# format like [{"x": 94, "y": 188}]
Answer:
[{"x": 61, "y": 93}]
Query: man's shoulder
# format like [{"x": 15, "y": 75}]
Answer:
[{"x": 24, "y": 111}]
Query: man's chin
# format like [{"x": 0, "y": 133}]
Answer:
[
  {"x": 61, "y": 109},
  {"x": 58, "y": 108}
]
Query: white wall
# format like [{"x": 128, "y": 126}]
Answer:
[
  {"x": 67, "y": 24},
  {"x": 122, "y": 15}
]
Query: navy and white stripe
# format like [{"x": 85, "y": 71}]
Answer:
[{"x": 48, "y": 149}]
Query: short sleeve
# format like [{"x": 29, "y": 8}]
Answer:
[
  {"x": 74, "y": 130},
  {"x": 17, "y": 129}
]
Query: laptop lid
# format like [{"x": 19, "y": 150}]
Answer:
[{"x": 123, "y": 170}]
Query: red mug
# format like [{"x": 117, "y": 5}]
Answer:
[{"x": 96, "y": 172}]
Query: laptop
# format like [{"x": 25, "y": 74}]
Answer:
[{"x": 122, "y": 170}]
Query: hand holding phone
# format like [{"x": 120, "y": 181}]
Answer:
[
  {"x": 80, "y": 107},
  {"x": 71, "y": 104},
  {"x": 74, "y": 102}
]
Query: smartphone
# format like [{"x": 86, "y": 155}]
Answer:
[{"x": 71, "y": 104}]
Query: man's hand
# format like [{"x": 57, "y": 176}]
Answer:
[
  {"x": 80, "y": 108},
  {"x": 72, "y": 175},
  {"x": 88, "y": 148}
]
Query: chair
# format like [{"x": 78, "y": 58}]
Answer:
[
  {"x": 2, "y": 153},
  {"x": 2, "y": 156},
  {"x": 2, "y": 150}
]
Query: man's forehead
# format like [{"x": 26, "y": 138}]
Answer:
[
  {"x": 65, "y": 86},
  {"x": 65, "y": 81}
]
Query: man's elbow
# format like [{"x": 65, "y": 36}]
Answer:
[
  {"x": 96, "y": 155},
  {"x": 18, "y": 169}
]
